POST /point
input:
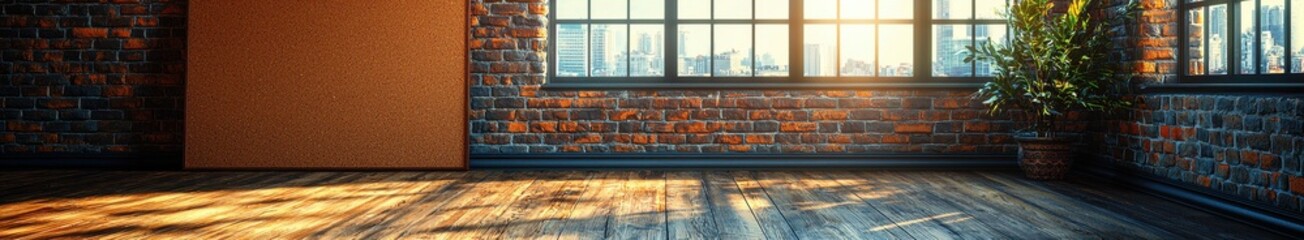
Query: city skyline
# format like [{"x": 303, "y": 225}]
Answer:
[{"x": 1207, "y": 53}]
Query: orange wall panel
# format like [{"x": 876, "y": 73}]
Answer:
[{"x": 326, "y": 85}]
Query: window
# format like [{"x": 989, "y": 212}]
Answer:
[
  {"x": 1233, "y": 41},
  {"x": 769, "y": 43}
]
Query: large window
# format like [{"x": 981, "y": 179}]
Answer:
[
  {"x": 782, "y": 43},
  {"x": 1242, "y": 41}
]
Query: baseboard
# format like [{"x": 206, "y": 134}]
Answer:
[
  {"x": 743, "y": 161},
  {"x": 1256, "y": 214},
  {"x": 132, "y": 161}
]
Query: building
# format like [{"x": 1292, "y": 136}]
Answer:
[{"x": 570, "y": 50}]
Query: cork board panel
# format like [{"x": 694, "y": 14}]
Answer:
[{"x": 326, "y": 85}]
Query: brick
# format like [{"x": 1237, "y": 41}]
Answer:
[
  {"x": 829, "y": 115},
  {"x": 760, "y": 139},
  {"x": 691, "y": 127},
  {"x": 729, "y": 139},
  {"x": 797, "y": 127},
  {"x": 90, "y": 32},
  {"x": 914, "y": 128}
]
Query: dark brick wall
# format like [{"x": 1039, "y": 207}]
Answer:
[
  {"x": 511, "y": 114},
  {"x": 1245, "y": 145},
  {"x": 92, "y": 76}
]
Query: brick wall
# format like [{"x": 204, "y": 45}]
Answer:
[
  {"x": 1245, "y": 145},
  {"x": 511, "y": 114},
  {"x": 92, "y": 76}
]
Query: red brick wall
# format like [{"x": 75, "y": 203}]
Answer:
[
  {"x": 92, "y": 76},
  {"x": 1248, "y": 146},
  {"x": 511, "y": 114}
]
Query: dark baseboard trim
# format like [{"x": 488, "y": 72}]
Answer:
[
  {"x": 132, "y": 161},
  {"x": 1255, "y": 214},
  {"x": 1226, "y": 88},
  {"x": 742, "y": 161}
]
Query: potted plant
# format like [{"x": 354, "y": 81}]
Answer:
[{"x": 1053, "y": 64}]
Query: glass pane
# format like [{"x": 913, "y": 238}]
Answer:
[
  {"x": 894, "y": 9},
  {"x": 857, "y": 9},
  {"x": 572, "y": 9},
  {"x": 857, "y": 51},
  {"x": 1195, "y": 42},
  {"x": 694, "y": 50},
  {"x": 1218, "y": 40},
  {"x": 733, "y": 50},
  {"x": 772, "y": 50},
  {"x": 694, "y": 10},
  {"x": 952, "y": 9},
  {"x": 820, "y": 52},
  {"x": 896, "y": 50},
  {"x": 1297, "y": 36},
  {"x": 771, "y": 9},
  {"x": 989, "y": 33},
  {"x": 609, "y": 9},
  {"x": 1248, "y": 36},
  {"x": 820, "y": 9},
  {"x": 1272, "y": 36},
  {"x": 989, "y": 9},
  {"x": 646, "y": 58},
  {"x": 949, "y": 42},
  {"x": 733, "y": 9},
  {"x": 607, "y": 43},
  {"x": 647, "y": 9},
  {"x": 571, "y": 58}
]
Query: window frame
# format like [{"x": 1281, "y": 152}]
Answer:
[
  {"x": 1234, "y": 78},
  {"x": 922, "y": 24}
]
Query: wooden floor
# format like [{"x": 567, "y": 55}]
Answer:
[{"x": 587, "y": 205}]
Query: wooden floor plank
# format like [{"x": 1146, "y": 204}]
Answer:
[
  {"x": 1142, "y": 207},
  {"x": 689, "y": 207},
  {"x": 1103, "y": 223},
  {"x": 901, "y": 204},
  {"x": 729, "y": 208},
  {"x": 590, "y": 217},
  {"x": 990, "y": 208},
  {"x": 816, "y": 212},
  {"x": 545, "y": 205},
  {"x": 472, "y": 211},
  {"x": 905, "y": 196},
  {"x": 617, "y": 204},
  {"x": 641, "y": 213},
  {"x": 773, "y": 224},
  {"x": 393, "y": 197}
]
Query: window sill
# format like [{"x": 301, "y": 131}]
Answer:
[
  {"x": 757, "y": 86},
  {"x": 1274, "y": 88}
]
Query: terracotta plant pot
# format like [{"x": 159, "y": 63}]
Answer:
[{"x": 1045, "y": 158}]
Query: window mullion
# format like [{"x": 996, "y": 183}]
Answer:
[
  {"x": 923, "y": 68},
  {"x": 670, "y": 55},
  {"x": 973, "y": 35},
  {"x": 1233, "y": 38},
  {"x": 629, "y": 39},
  {"x": 796, "y": 34},
  {"x": 878, "y": 39},
  {"x": 752, "y": 52},
  {"x": 1290, "y": 54},
  {"x": 1257, "y": 39}
]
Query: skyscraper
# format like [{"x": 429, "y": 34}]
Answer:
[
  {"x": 598, "y": 50},
  {"x": 645, "y": 43},
  {"x": 570, "y": 50},
  {"x": 811, "y": 52}
]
